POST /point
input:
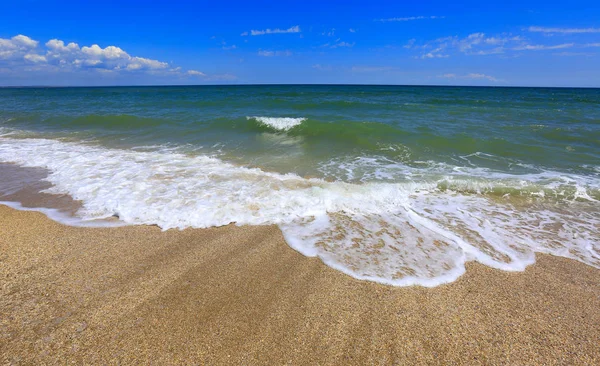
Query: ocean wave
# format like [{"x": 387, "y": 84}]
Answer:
[
  {"x": 410, "y": 233},
  {"x": 531, "y": 181},
  {"x": 278, "y": 123},
  {"x": 5, "y": 132}
]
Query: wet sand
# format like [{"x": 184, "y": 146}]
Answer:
[{"x": 240, "y": 295}]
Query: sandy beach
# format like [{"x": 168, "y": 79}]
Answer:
[{"x": 241, "y": 295}]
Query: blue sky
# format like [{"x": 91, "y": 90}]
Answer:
[{"x": 525, "y": 43}]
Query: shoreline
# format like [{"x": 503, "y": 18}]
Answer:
[{"x": 136, "y": 294}]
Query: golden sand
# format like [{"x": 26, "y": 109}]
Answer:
[{"x": 240, "y": 295}]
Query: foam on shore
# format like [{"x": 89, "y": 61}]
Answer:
[{"x": 411, "y": 233}]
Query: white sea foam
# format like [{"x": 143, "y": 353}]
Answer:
[
  {"x": 5, "y": 132},
  {"x": 431, "y": 175},
  {"x": 394, "y": 233},
  {"x": 63, "y": 217},
  {"x": 278, "y": 123}
]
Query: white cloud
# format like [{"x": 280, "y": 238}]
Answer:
[
  {"x": 136, "y": 63},
  {"x": 481, "y": 40},
  {"x": 592, "y": 45},
  {"x": 408, "y": 19},
  {"x": 24, "y": 41},
  {"x": 16, "y": 47},
  {"x": 94, "y": 56},
  {"x": 540, "y": 47},
  {"x": 343, "y": 44},
  {"x": 479, "y": 44},
  {"x": 471, "y": 76},
  {"x": 221, "y": 77},
  {"x": 266, "y": 53},
  {"x": 110, "y": 52},
  {"x": 563, "y": 30},
  {"x": 329, "y": 33},
  {"x": 410, "y": 43},
  {"x": 371, "y": 68},
  {"x": 322, "y": 67},
  {"x": 22, "y": 53},
  {"x": 571, "y": 54},
  {"x": 351, "y": 30},
  {"x": 274, "y": 53},
  {"x": 436, "y": 53},
  {"x": 35, "y": 58},
  {"x": 294, "y": 29},
  {"x": 58, "y": 46},
  {"x": 481, "y": 76},
  {"x": 493, "y": 51}
]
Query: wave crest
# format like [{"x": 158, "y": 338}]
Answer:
[{"x": 278, "y": 123}]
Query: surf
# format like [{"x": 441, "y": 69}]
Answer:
[{"x": 400, "y": 233}]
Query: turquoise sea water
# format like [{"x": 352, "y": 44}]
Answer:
[{"x": 400, "y": 185}]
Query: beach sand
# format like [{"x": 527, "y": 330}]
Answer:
[{"x": 241, "y": 295}]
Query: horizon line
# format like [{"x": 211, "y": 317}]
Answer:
[{"x": 289, "y": 84}]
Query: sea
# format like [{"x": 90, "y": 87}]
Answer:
[{"x": 401, "y": 185}]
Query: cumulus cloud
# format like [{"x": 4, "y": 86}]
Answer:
[
  {"x": 20, "y": 51},
  {"x": 137, "y": 63},
  {"x": 35, "y": 58},
  {"x": 71, "y": 55},
  {"x": 108, "y": 58},
  {"x": 294, "y": 29},
  {"x": 408, "y": 19},
  {"x": 563, "y": 30},
  {"x": 24, "y": 41},
  {"x": 16, "y": 47}
]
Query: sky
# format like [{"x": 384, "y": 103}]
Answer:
[{"x": 507, "y": 43}]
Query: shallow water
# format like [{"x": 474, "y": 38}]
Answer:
[{"x": 399, "y": 185}]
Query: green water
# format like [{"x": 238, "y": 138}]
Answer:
[{"x": 551, "y": 129}]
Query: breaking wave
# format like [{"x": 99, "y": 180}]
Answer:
[{"x": 278, "y": 123}]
